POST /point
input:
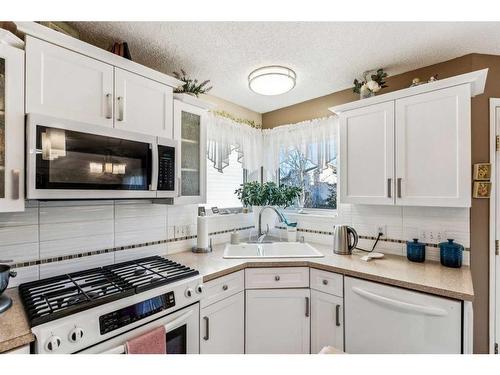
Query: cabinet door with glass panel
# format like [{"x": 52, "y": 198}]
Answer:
[
  {"x": 190, "y": 131},
  {"x": 11, "y": 129}
]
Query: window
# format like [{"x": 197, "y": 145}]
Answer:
[
  {"x": 221, "y": 186},
  {"x": 319, "y": 184}
]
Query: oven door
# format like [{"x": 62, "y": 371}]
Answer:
[
  {"x": 72, "y": 160},
  {"x": 165, "y": 173},
  {"x": 182, "y": 327}
]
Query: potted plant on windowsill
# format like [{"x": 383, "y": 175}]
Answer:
[{"x": 258, "y": 195}]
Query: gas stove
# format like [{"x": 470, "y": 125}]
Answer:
[{"x": 72, "y": 312}]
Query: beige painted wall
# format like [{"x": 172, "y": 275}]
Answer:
[
  {"x": 234, "y": 109},
  {"x": 479, "y": 213}
]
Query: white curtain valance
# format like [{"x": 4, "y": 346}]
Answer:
[
  {"x": 315, "y": 139},
  {"x": 225, "y": 135}
]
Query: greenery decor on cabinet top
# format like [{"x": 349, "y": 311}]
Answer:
[
  {"x": 267, "y": 194},
  {"x": 191, "y": 86}
]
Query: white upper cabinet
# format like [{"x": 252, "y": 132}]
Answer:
[
  {"x": 68, "y": 85},
  {"x": 410, "y": 147},
  {"x": 433, "y": 148},
  {"x": 11, "y": 129},
  {"x": 367, "y": 154},
  {"x": 143, "y": 105},
  {"x": 190, "y": 131}
]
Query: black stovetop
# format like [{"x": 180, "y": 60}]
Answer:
[{"x": 59, "y": 296}]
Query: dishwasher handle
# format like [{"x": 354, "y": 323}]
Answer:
[{"x": 426, "y": 310}]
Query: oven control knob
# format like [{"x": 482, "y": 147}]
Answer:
[
  {"x": 199, "y": 289},
  {"x": 189, "y": 292},
  {"x": 76, "y": 334},
  {"x": 53, "y": 343}
]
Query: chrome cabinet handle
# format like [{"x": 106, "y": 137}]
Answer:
[
  {"x": 207, "y": 322},
  {"x": 120, "y": 108},
  {"x": 15, "y": 184},
  {"x": 179, "y": 186},
  {"x": 399, "y": 187},
  {"x": 277, "y": 278},
  {"x": 337, "y": 315},
  {"x": 109, "y": 113},
  {"x": 224, "y": 287},
  {"x": 389, "y": 187},
  {"x": 307, "y": 307},
  {"x": 325, "y": 282}
]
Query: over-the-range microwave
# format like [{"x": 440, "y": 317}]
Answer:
[{"x": 73, "y": 160}]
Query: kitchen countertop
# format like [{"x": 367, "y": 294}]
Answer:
[
  {"x": 14, "y": 327},
  {"x": 429, "y": 277}
]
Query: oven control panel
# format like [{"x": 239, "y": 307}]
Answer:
[{"x": 131, "y": 314}]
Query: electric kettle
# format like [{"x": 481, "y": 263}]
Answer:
[{"x": 345, "y": 239}]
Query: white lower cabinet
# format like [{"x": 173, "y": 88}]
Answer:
[
  {"x": 278, "y": 321},
  {"x": 327, "y": 321},
  {"x": 222, "y": 326}
]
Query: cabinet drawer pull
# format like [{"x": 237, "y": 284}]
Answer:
[
  {"x": 307, "y": 307},
  {"x": 277, "y": 278},
  {"x": 337, "y": 315},
  {"x": 399, "y": 187},
  {"x": 325, "y": 282},
  {"x": 224, "y": 287},
  {"x": 389, "y": 187},
  {"x": 109, "y": 105},
  {"x": 15, "y": 183},
  {"x": 121, "y": 115},
  {"x": 207, "y": 322}
]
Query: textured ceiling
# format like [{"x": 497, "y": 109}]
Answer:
[{"x": 326, "y": 56}]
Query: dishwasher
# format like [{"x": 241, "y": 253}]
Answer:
[{"x": 386, "y": 319}]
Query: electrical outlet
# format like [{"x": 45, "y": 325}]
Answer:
[
  {"x": 179, "y": 231},
  {"x": 381, "y": 229}
]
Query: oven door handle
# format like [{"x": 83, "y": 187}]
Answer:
[{"x": 121, "y": 349}]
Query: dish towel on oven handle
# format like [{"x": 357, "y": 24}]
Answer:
[{"x": 151, "y": 342}]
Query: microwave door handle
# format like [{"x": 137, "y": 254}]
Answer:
[
  {"x": 155, "y": 166},
  {"x": 120, "y": 349}
]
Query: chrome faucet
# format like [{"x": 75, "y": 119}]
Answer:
[{"x": 261, "y": 234}]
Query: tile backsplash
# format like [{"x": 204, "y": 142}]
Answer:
[
  {"x": 431, "y": 225},
  {"x": 51, "y": 238}
]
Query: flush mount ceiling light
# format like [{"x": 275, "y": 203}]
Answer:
[{"x": 272, "y": 80}]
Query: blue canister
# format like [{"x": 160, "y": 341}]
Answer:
[
  {"x": 451, "y": 254},
  {"x": 415, "y": 251}
]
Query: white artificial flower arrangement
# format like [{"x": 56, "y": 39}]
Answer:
[{"x": 371, "y": 84}]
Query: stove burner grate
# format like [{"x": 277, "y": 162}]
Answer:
[{"x": 55, "y": 297}]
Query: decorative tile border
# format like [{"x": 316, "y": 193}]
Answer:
[
  {"x": 118, "y": 248},
  {"x": 362, "y": 237},
  {"x": 178, "y": 239}
]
